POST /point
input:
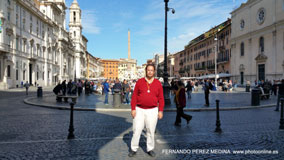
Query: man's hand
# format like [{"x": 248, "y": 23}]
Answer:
[
  {"x": 133, "y": 113},
  {"x": 160, "y": 115}
]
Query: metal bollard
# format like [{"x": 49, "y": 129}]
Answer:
[
  {"x": 71, "y": 127},
  {"x": 281, "y": 118},
  {"x": 218, "y": 123}
]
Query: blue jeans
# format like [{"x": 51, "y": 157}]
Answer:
[
  {"x": 106, "y": 97},
  {"x": 127, "y": 97},
  {"x": 188, "y": 94}
]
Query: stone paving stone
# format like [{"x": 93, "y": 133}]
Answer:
[{"x": 29, "y": 132}]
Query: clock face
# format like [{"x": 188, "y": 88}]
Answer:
[
  {"x": 242, "y": 24},
  {"x": 261, "y": 16}
]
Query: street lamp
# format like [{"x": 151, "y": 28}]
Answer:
[
  {"x": 166, "y": 85},
  {"x": 216, "y": 47}
]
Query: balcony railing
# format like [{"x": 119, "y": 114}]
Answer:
[
  {"x": 200, "y": 68},
  {"x": 224, "y": 59},
  {"x": 211, "y": 67}
]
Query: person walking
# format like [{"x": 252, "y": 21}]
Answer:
[
  {"x": 180, "y": 100},
  {"x": 27, "y": 85},
  {"x": 147, "y": 106},
  {"x": 188, "y": 89},
  {"x": 206, "y": 92},
  {"x": 280, "y": 94},
  {"x": 106, "y": 90}
]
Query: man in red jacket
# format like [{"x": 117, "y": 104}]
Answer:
[{"x": 147, "y": 106}]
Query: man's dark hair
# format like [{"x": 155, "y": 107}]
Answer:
[{"x": 150, "y": 64}]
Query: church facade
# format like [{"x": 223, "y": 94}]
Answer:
[{"x": 257, "y": 41}]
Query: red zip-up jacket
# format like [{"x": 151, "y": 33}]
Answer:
[{"x": 145, "y": 100}]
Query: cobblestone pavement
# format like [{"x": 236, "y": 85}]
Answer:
[
  {"x": 235, "y": 99},
  {"x": 29, "y": 132}
]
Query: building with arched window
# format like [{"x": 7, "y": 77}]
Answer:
[{"x": 257, "y": 41}]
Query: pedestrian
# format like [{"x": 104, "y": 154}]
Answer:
[
  {"x": 280, "y": 94},
  {"x": 80, "y": 87},
  {"x": 126, "y": 90},
  {"x": 106, "y": 90},
  {"x": 274, "y": 87},
  {"x": 64, "y": 87},
  {"x": 196, "y": 86},
  {"x": 180, "y": 100},
  {"x": 147, "y": 106},
  {"x": 188, "y": 89},
  {"x": 87, "y": 87},
  {"x": 57, "y": 90},
  {"x": 111, "y": 86},
  {"x": 206, "y": 88},
  {"x": 69, "y": 87},
  {"x": 27, "y": 85}
]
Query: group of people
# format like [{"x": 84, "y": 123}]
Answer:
[
  {"x": 74, "y": 87},
  {"x": 125, "y": 89}
]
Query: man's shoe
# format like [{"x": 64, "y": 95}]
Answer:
[
  {"x": 152, "y": 153},
  {"x": 188, "y": 119},
  {"x": 131, "y": 153},
  {"x": 276, "y": 110}
]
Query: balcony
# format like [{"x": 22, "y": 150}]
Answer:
[
  {"x": 200, "y": 68},
  {"x": 211, "y": 67},
  {"x": 33, "y": 57},
  {"x": 5, "y": 48},
  {"x": 223, "y": 60}
]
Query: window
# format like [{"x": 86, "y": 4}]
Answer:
[
  {"x": 8, "y": 71},
  {"x": 24, "y": 24},
  {"x": 25, "y": 46},
  {"x": 24, "y": 75},
  {"x": 31, "y": 27},
  {"x": 17, "y": 17},
  {"x": 242, "y": 49},
  {"x": 42, "y": 75},
  {"x": 17, "y": 43},
  {"x": 242, "y": 24},
  {"x": 74, "y": 33},
  {"x": 261, "y": 44},
  {"x": 17, "y": 78},
  {"x": 9, "y": 15},
  {"x": 74, "y": 15}
]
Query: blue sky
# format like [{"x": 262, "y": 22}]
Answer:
[{"x": 106, "y": 23}]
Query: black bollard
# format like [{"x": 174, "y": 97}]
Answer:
[
  {"x": 218, "y": 123},
  {"x": 71, "y": 127},
  {"x": 281, "y": 118}
]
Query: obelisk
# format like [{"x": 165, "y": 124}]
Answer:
[{"x": 129, "y": 44}]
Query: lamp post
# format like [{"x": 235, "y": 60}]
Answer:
[
  {"x": 166, "y": 85},
  {"x": 216, "y": 47}
]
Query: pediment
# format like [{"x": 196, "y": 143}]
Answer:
[{"x": 261, "y": 58}]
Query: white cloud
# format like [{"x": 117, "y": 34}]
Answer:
[{"x": 89, "y": 22}]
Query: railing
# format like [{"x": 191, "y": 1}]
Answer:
[
  {"x": 199, "y": 69},
  {"x": 211, "y": 67},
  {"x": 224, "y": 59},
  {"x": 5, "y": 47}
]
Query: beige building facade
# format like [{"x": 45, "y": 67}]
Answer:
[{"x": 257, "y": 41}]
